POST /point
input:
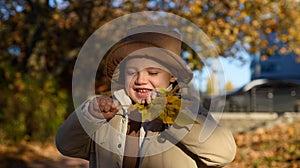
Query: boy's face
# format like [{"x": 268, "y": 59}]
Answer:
[{"x": 143, "y": 76}]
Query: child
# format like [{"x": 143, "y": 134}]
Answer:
[{"x": 148, "y": 122}]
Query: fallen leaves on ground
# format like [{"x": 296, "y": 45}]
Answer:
[
  {"x": 36, "y": 155},
  {"x": 278, "y": 147}
]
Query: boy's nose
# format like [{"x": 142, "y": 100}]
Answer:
[{"x": 141, "y": 78}]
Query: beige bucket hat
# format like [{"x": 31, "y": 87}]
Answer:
[{"x": 155, "y": 42}]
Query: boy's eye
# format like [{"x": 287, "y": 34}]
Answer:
[
  {"x": 153, "y": 73},
  {"x": 130, "y": 72}
]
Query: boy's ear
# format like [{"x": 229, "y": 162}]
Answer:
[{"x": 173, "y": 79}]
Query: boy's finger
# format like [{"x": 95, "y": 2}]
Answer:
[
  {"x": 101, "y": 101},
  {"x": 115, "y": 105},
  {"x": 153, "y": 95},
  {"x": 107, "y": 108}
]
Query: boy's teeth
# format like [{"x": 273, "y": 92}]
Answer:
[{"x": 143, "y": 90}]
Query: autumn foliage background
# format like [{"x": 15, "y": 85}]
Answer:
[{"x": 40, "y": 40}]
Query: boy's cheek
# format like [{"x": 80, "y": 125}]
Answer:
[
  {"x": 128, "y": 80},
  {"x": 126, "y": 86}
]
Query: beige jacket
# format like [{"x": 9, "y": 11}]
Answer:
[{"x": 102, "y": 142}]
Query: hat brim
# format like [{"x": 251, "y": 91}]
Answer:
[{"x": 170, "y": 60}]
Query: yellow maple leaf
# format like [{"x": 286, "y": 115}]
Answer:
[{"x": 165, "y": 107}]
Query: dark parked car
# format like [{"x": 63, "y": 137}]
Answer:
[{"x": 264, "y": 95}]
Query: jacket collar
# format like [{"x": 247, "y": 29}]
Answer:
[{"x": 124, "y": 100}]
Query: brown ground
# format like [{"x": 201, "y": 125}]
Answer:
[
  {"x": 276, "y": 147},
  {"x": 34, "y": 155}
]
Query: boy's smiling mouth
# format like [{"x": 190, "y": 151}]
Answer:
[{"x": 142, "y": 92}]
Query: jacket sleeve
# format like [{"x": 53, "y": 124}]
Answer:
[
  {"x": 212, "y": 144},
  {"x": 74, "y": 137}
]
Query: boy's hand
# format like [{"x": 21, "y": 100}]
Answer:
[{"x": 104, "y": 107}]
